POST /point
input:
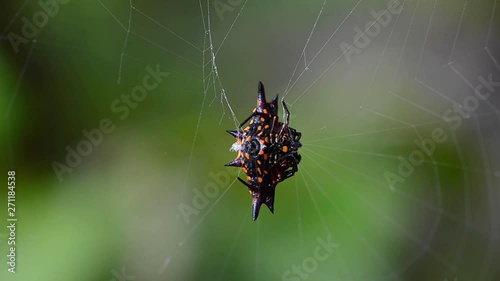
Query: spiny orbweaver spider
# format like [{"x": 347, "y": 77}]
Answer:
[{"x": 267, "y": 151}]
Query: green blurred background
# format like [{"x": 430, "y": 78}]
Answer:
[{"x": 121, "y": 213}]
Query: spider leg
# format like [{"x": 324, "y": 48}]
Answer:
[
  {"x": 297, "y": 136},
  {"x": 285, "y": 126},
  {"x": 251, "y": 188},
  {"x": 250, "y": 117},
  {"x": 287, "y": 112},
  {"x": 273, "y": 136},
  {"x": 294, "y": 167}
]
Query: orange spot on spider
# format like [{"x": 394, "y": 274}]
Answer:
[
  {"x": 265, "y": 111},
  {"x": 261, "y": 152},
  {"x": 285, "y": 149},
  {"x": 249, "y": 178},
  {"x": 266, "y": 172},
  {"x": 259, "y": 128},
  {"x": 258, "y": 162},
  {"x": 262, "y": 119},
  {"x": 266, "y": 139},
  {"x": 259, "y": 170},
  {"x": 266, "y": 127},
  {"x": 259, "y": 179},
  {"x": 247, "y": 156}
]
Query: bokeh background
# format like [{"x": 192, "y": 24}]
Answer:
[{"x": 131, "y": 208}]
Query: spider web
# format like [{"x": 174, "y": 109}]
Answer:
[
  {"x": 358, "y": 109},
  {"x": 403, "y": 27}
]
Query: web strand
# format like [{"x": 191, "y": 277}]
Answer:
[
  {"x": 424, "y": 45},
  {"x": 124, "y": 48},
  {"x": 13, "y": 99},
  {"x": 289, "y": 88},
  {"x": 458, "y": 31},
  {"x": 493, "y": 10}
]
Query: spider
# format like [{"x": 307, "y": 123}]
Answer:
[{"x": 267, "y": 151}]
